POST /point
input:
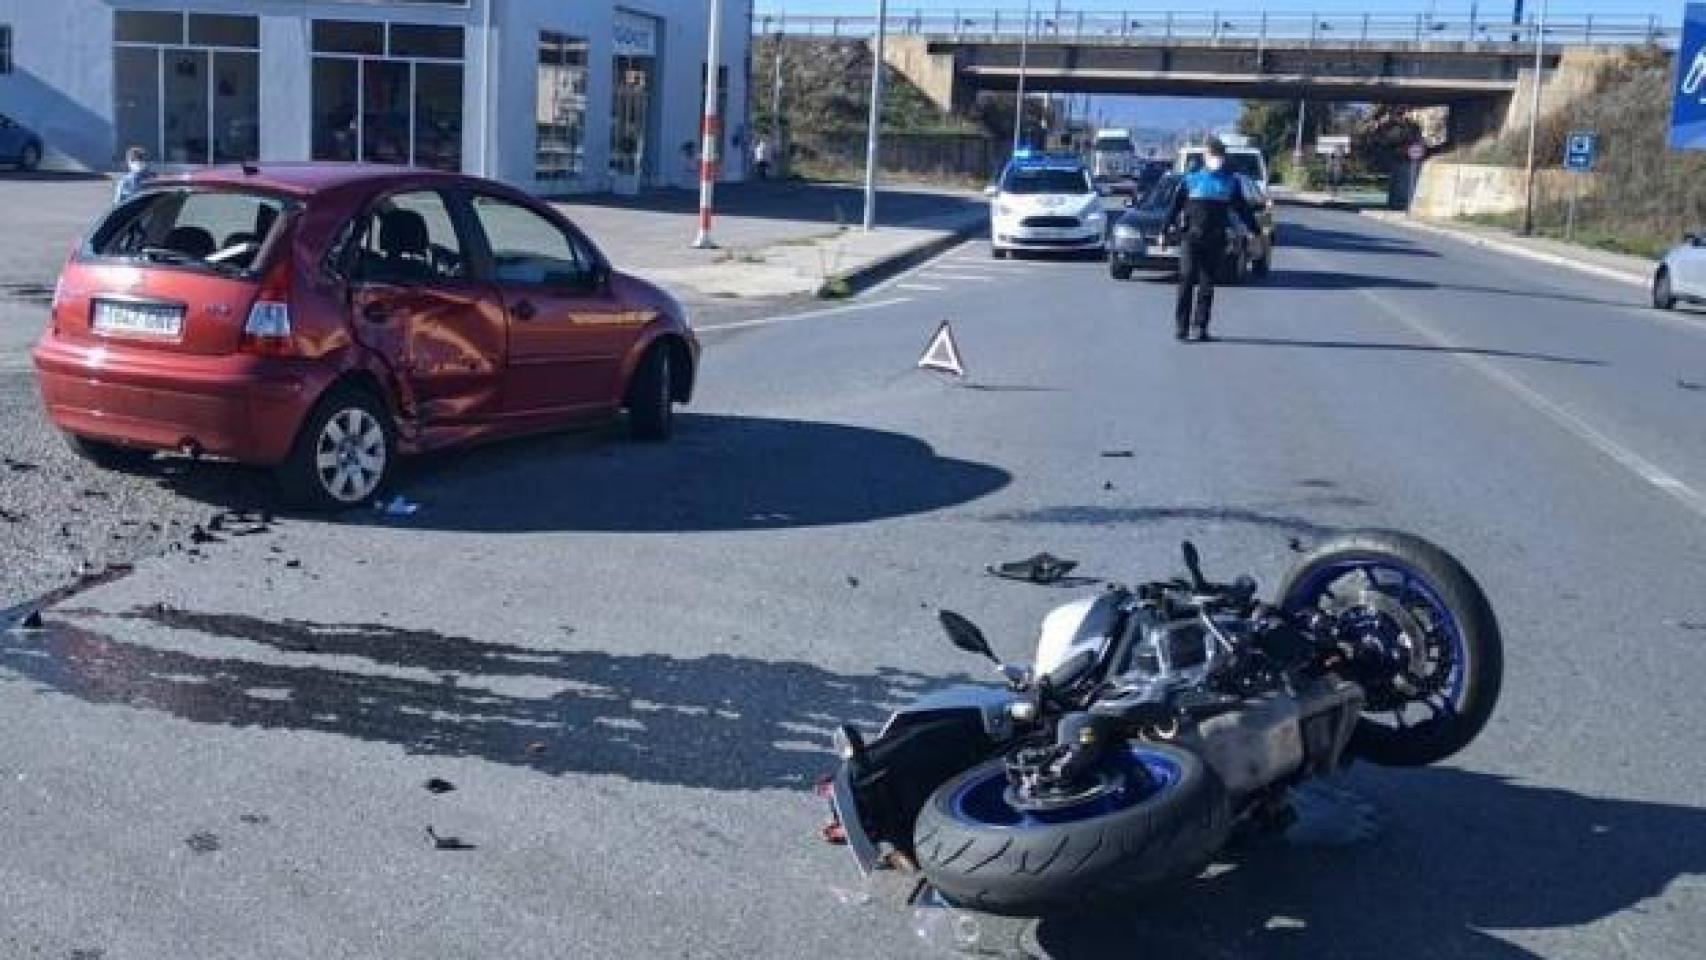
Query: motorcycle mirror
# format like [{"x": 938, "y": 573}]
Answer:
[
  {"x": 965, "y": 634},
  {"x": 1193, "y": 563}
]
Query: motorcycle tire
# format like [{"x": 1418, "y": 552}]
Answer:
[
  {"x": 1471, "y": 693},
  {"x": 983, "y": 854}
]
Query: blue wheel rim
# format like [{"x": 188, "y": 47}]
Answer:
[
  {"x": 982, "y": 799},
  {"x": 1410, "y": 589}
]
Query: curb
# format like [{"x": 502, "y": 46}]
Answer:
[
  {"x": 1513, "y": 249},
  {"x": 849, "y": 283}
]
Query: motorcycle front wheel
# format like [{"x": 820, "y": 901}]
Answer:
[
  {"x": 1430, "y": 658},
  {"x": 980, "y": 851}
]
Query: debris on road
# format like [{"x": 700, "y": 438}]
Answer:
[
  {"x": 1044, "y": 568},
  {"x": 203, "y": 841},
  {"x": 399, "y": 506},
  {"x": 31, "y": 621},
  {"x": 853, "y": 582},
  {"x": 199, "y": 535},
  {"x": 536, "y": 747},
  {"x": 1689, "y": 384},
  {"x": 447, "y": 843},
  {"x": 10, "y": 517},
  {"x": 19, "y": 466},
  {"x": 1118, "y": 454},
  {"x": 439, "y": 785}
]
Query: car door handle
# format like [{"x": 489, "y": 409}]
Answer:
[{"x": 525, "y": 310}]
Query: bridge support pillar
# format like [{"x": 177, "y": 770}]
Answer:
[{"x": 934, "y": 74}]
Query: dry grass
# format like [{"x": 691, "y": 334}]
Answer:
[{"x": 1649, "y": 195}]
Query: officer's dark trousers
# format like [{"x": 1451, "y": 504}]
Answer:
[{"x": 1197, "y": 264}]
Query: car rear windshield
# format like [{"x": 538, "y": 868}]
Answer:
[
  {"x": 1162, "y": 195},
  {"x": 1248, "y": 164},
  {"x": 1045, "y": 180},
  {"x": 1113, "y": 144},
  {"x": 223, "y": 231}
]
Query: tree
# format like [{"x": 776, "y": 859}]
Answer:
[{"x": 1272, "y": 124}]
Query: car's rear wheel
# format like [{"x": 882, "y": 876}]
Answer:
[
  {"x": 651, "y": 396},
  {"x": 30, "y": 158},
  {"x": 1260, "y": 268},
  {"x": 1118, "y": 270},
  {"x": 343, "y": 455},
  {"x": 108, "y": 456},
  {"x": 998, "y": 253},
  {"x": 1664, "y": 298}
]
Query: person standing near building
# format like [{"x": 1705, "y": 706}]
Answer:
[
  {"x": 761, "y": 157},
  {"x": 1202, "y": 211},
  {"x": 136, "y": 176}
]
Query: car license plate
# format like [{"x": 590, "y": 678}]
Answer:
[{"x": 146, "y": 319}]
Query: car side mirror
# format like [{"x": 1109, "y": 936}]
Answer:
[{"x": 992, "y": 191}]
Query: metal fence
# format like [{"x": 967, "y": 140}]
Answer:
[{"x": 1233, "y": 27}]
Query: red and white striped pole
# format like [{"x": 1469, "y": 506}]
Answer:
[{"x": 710, "y": 129}]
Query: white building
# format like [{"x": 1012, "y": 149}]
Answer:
[{"x": 557, "y": 96}]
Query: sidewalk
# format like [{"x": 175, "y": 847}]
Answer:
[
  {"x": 1603, "y": 263},
  {"x": 776, "y": 239}
]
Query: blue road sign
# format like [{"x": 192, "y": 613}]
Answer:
[
  {"x": 1688, "y": 99},
  {"x": 1580, "y": 150}
]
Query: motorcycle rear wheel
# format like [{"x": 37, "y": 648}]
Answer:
[
  {"x": 1444, "y": 713},
  {"x": 981, "y": 852}
]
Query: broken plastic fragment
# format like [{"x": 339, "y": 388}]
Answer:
[
  {"x": 1043, "y": 568},
  {"x": 447, "y": 843},
  {"x": 32, "y": 621},
  {"x": 440, "y": 785},
  {"x": 399, "y": 506}
]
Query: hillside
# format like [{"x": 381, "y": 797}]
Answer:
[
  {"x": 1645, "y": 195},
  {"x": 825, "y": 89}
]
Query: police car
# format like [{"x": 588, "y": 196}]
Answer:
[{"x": 1045, "y": 202}]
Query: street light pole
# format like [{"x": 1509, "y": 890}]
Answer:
[
  {"x": 874, "y": 129},
  {"x": 776, "y": 86},
  {"x": 1019, "y": 100},
  {"x": 1534, "y": 118},
  {"x": 710, "y": 127}
]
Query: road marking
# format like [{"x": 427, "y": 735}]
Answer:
[
  {"x": 916, "y": 268},
  {"x": 768, "y": 321},
  {"x": 1647, "y": 470},
  {"x": 917, "y": 286},
  {"x": 957, "y": 277}
]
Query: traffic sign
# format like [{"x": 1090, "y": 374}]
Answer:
[
  {"x": 1688, "y": 99},
  {"x": 1418, "y": 152},
  {"x": 942, "y": 353},
  {"x": 1580, "y": 150}
]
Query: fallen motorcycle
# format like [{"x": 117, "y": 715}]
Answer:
[{"x": 1157, "y": 720}]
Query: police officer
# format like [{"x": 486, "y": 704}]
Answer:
[{"x": 1202, "y": 211}]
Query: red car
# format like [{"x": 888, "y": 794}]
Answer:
[{"x": 324, "y": 318}]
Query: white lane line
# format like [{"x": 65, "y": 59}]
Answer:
[
  {"x": 768, "y": 321},
  {"x": 958, "y": 277},
  {"x": 916, "y": 268},
  {"x": 917, "y": 286},
  {"x": 1647, "y": 470}
]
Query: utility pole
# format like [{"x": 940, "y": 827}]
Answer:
[
  {"x": 776, "y": 85},
  {"x": 1302, "y": 114},
  {"x": 710, "y": 126},
  {"x": 1534, "y": 115},
  {"x": 1019, "y": 99},
  {"x": 874, "y": 129}
]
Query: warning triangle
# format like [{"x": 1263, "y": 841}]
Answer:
[{"x": 942, "y": 354}]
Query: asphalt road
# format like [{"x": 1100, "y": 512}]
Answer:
[{"x": 627, "y": 660}]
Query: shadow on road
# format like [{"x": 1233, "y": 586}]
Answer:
[
  {"x": 1409, "y": 348},
  {"x": 719, "y": 472},
  {"x": 1343, "y": 241},
  {"x": 839, "y": 204},
  {"x": 1099, "y": 516},
  {"x": 1486, "y": 854},
  {"x": 719, "y": 722}
]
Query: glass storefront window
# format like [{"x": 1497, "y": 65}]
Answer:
[
  {"x": 186, "y": 87},
  {"x": 336, "y": 126},
  {"x": 399, "y": 101},
  {"x": 561, "y": 113},
  {"x": 438, "y": 116}
]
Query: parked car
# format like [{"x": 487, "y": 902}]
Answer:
[
  {"x": 1681, "y": 275},
  {"x": 1045, "y": 202},
  {"x": 19, "y": 145},
  {"x": 1142, "y": 238},
  {"x": 322, "y": 319}
]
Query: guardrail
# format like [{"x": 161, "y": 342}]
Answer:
[{"x": 1231, "y": 28}]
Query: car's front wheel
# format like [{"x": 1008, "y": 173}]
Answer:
[
  {"x": 1664, "y": 298},
  {"x": 343, "y": 455},
  {"x": 651, "y": 396},
  {"x": 30, "y": 158},
  {"x": 1118, "y": 270}
]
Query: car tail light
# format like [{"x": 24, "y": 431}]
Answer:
[{"x": 267, "y": 331}]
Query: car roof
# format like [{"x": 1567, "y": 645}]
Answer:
[{"x": 306, "y": 178}]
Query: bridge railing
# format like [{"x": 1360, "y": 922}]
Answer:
[{"x": 1246, "y": 27}]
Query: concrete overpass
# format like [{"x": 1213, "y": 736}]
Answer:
[{"x": 1475, "y": 66}]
